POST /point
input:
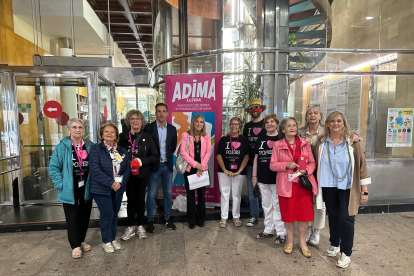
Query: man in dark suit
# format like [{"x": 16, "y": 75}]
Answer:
[{"x": 165, "y": 137}]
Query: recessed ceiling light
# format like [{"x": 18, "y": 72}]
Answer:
[{"x": 369, "y": 17}]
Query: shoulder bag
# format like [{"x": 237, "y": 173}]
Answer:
[{"x": 180, "y": 163}]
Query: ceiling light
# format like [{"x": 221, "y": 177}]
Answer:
[{"x": 369, "y": 17}]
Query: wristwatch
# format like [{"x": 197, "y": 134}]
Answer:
[{"x": 364, "y": 193}]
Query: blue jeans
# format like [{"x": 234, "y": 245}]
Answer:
[
  {"x": 154, "y": 178},
  {"x": 254, "y": 201},
  {"x": 108, "y": 206}
]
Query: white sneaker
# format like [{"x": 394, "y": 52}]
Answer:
[
  {"x": 116, "y": 245},
  {"x": 333, "y": 251},
  {"x": 314, "y": 239},
  {"x": 128, "y": 233},
  {"x": 308, "y": 234},
  {"x": 108, "y": 247},
  {"x": 142, "y": 234},
  {"x": 343, "y": 261},
  {"x": 252, "y": 222}
]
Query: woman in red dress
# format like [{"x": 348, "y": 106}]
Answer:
[{"x": 296, "y": 202}]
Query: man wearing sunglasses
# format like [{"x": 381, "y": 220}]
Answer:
[{"x": 252, "y": 130}]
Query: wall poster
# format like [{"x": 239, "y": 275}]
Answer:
[
  {"x": 399, "y": 127},
  {"x": 186, "y": 96}
]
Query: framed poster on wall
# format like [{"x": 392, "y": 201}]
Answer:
[{"x": 399, "y": 127}]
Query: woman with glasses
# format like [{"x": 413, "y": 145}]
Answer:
[
  {"x": 343, "y": 178},
  {"x": 110, "y": 171},
  {"x": 312, "y": 131},
  {"x": 232, "y": 156},
  {"x": 141, "y": 147},
  {"x": 69, "y": 171},
  {"x": 199, "y": 150}
]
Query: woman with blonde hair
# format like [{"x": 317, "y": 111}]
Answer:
[
  {"x": 141, "y": 147},
  {"x": 199, "y": 150},
  {"x": 343, "y": 178}
]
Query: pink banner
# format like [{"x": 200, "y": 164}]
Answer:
[{"x": 186, "y": 96}]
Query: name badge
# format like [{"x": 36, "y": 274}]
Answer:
[
  {"x": 233, "y": 166},
  {"x": 118, "y": 178},
  {"x": 81, "y": 183}
]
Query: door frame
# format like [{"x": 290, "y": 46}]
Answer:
[{"x": 8, "y": 80}]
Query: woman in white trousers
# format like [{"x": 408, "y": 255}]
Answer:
[
  {"x": 266, "y": 179},
  {"x": 232, "y": 156}
]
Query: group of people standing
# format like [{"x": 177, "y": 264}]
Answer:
[
  {"x": 302, "y": 173},
  {"x": 298, "y": 171}
]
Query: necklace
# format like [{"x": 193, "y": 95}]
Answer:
[{"x": 198, "y": 148}]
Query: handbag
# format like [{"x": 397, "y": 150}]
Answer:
[
  {"x": 305, "y": 182},
  {"x": 180, "y": 163}
]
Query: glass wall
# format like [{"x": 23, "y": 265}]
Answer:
[{"x": 45, "y": 105}]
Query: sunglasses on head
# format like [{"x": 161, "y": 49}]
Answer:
[
  {"x": 314, "y": 105},
  {"x": 253, "y": 107}
]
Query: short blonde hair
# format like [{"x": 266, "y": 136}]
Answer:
[
  {"x": 203, "y": 131},
  {"x": 139, "y": 114},
  {"x": 346, "y": 131},
  {"x": 101, "y": 130}
]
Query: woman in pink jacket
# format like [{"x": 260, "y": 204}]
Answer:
[
  {"x": 295, "y": 201},
  {"x": 197, "y": 158}
]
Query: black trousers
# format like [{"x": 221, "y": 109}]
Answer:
[
  {"x": 196, "y": 214},
  {"x": 135, "y": 192},
  {"x": 77, "y": 220},
  {"x": 341, "y": 225}
]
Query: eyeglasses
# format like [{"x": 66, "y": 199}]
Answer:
[
  {"x": 318, "y": 105},
  {"x": 254, "y": 107},
  {"x": 135, "y": 119},
  {"x": 77, "y": 127}
]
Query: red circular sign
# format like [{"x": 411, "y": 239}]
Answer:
[
  {"x": 52, "y": 109},
  {"x": 21, "y": 118},
  {"x": 62, "y": 119}
]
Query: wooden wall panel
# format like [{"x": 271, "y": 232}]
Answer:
[{"x": 207, "y": 9}]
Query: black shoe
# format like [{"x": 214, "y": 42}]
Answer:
[
  {"x": 200, "y": 224},
  {"x": 150, "y": 227},
  {"x": 169, "y": 225},
  {"x": 191, "y": 226}
]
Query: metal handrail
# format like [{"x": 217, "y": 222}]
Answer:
[
  {"x": 8, "y": 158},
  {"x": 4, "y": 172},
  {"x": 284, "y": 50}
]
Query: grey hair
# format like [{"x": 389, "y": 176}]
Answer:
[
  {"x": 69, "y": 123},
  {"x": 318, "y": 108},
  {"x": 283, "y": 123}
]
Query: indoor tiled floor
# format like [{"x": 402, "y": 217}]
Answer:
[{"x": 384, "y": 245}]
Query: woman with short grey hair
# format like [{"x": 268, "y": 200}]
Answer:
[{"x": 69, "y": 171}]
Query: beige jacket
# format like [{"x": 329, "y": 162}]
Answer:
[
  {"x": 360, "y": 174},
  {"x": 304, "y": 132}
]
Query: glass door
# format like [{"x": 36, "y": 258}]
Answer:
[{"x": 44, "y": 107}]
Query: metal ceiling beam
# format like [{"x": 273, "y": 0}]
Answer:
[
  {"x": 123, "y": 12},
  {"x": 116, "y": 33},
  {"x": 128, "y": 24},
  {"x": 311, "y": 20},
  {"x": 134, "y": 28},
  {"x": 301, "y": 6}
]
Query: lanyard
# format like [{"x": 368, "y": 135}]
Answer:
[
  {"x": 130, "y": 141},
  {"x": 233, "y": 148},
  {"x": 79, "y": 155},
  {"x": 293, "y": 149}
]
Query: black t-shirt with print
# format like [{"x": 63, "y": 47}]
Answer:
[
  {"x": 264, "y": 148},
  {"x": 241, "y": 149},
  {"x": 80, "y": 192},
  {"x": 252, "y": 131}
]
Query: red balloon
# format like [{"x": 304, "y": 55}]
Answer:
[{"x": 62, "y": 119}]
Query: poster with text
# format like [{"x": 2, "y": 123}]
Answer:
[
  {"x": 399, "y": 127},
  {"x": 186, "y": 96}
]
